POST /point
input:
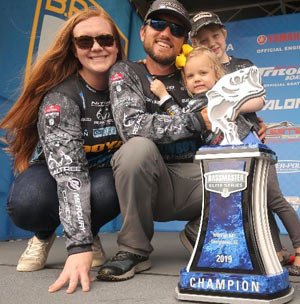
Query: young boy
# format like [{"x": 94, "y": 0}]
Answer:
[{"x": 208, "y": 30}]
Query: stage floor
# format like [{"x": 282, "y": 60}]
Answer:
[{"x": 155, "y": 286}]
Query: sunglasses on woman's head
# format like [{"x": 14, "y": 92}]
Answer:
[
  {"x": 87, "y": 42},
  {"x": 159, "y": 25}
]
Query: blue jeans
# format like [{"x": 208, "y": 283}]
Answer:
[{"x": 33, "y": 203}]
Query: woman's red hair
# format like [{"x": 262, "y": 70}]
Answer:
[{"x": 52, "y": 68}]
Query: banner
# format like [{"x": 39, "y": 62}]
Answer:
[
  {"x": 273, "y": 44},
  {"x": 27, "y": 28}
]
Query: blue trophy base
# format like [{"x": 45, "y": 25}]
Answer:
[
  {"x": 234, "y": 259},
  {"x": 234, "y": 288},
  {"x": 230, "y": 300}
]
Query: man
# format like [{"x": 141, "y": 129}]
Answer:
[
  {"x": 155, "y": 176},
  {"x": 207, "y": 29}
]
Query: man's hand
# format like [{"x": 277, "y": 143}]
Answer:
[
  {"x": 76, "y": 270},
  {"x": 262, "y": 131},
  {"x": 205, "y": 117}
]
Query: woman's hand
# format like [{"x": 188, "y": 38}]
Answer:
[{"x": 76, "y": 269}]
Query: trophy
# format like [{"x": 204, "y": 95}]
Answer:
[{"x": 234, "y": 260}]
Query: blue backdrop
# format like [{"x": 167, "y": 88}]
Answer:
[{"x": 273, "y": 44}]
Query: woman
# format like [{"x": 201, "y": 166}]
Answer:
[{"x": 62, "y": 135}]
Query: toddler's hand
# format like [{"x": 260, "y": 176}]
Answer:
[{"x": 158, "y": 88}]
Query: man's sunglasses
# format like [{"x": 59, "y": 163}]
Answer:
[
  {"x": 159, "y": 25},
  {"x": 86, "y": 42}
]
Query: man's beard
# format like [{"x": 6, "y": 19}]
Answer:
[{"x": 164, "y": 61}]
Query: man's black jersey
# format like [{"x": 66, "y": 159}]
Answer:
[
  {"x": 137, "y": 113},
  {"x": 76, "y": 131}
]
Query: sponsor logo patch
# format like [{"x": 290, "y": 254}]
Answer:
[
  {"x": 117, "y": 77},
  {"x": 101, "y": 132},
  {"x": 52, "y": 115}
]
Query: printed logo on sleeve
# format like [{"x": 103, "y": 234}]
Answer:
[
  {"x": 52, "y": 115},
  {"x": 74, "y": 184}
]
